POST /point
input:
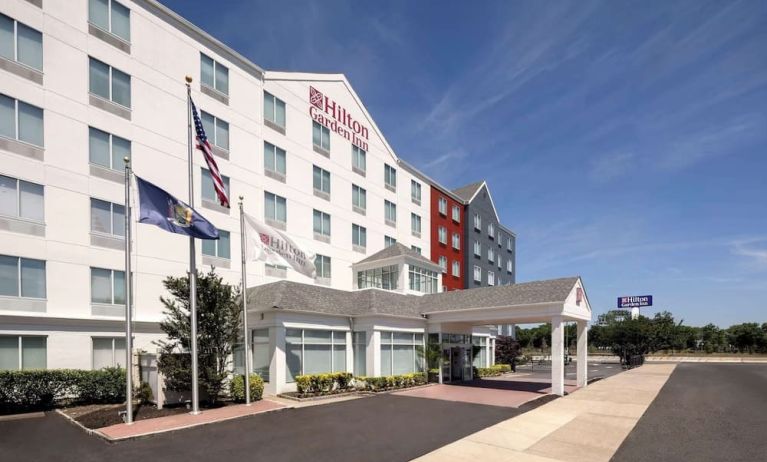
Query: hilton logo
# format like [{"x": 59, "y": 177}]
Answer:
[{"x": 336, "y": 118}]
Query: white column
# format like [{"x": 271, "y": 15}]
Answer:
[
  {"x": 277, "y": 366},
  {"x": 583, "y": 363},
  {"x": 349, "y": 352},
  {"x": 557, "y": 356},
  {"x": 373, "y": 360}
]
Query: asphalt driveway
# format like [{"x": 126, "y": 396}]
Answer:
[{"x": 378, "y": 428}]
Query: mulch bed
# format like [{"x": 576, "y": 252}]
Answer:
[{"x": 103, "y": 415}]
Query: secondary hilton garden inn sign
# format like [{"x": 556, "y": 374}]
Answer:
[
  {"x": 336, "y": 118},
  {"x": 635, "y": 301}
]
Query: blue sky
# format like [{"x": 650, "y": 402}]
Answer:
[{"x": 622, "y": 141}]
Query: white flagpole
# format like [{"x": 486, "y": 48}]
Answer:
[
  {"x": 244, "y": 296},
  {"x": 192, "y": 264},
  {"x": 128, "y": 302}
]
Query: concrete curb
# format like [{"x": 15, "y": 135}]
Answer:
[{"x": 24, "y": 416}]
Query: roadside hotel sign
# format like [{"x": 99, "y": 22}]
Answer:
[
  {"x": 635, "y": 301},
  {"x": 336, "y": 118}
]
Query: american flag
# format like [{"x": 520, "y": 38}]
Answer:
[{"x": 204, "y": 146}]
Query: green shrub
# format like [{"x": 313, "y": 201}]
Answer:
[
  {"x": 343, "y": 380},
  {"x": 419, "y": 378},
  {"x": 144, "y": 393},
  {"x": 237, "y": 388},
  {"x": 304, "y": 384}
]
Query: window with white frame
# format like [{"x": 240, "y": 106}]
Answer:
[
  {"x": 456, "y": 241},
  {"x": 322, "y": 265},
  {"x": 213, "y": 74},
  {"x": 110, "y": 16},
  {"x": 309, "y": 351},
  {"x": 508, "y": 244},
  {"x": 456, "y": 214},
  {"x": 107, "y": 150},
  {"x": 415, "y": 192},
  {"x": 442, "y": 205},
  {"x": 385, "y": 277},
  {"x": 275, "y": 208},
  {"x": 275, "y": 159},
  {"x": 21, "y": 121},
  {"x": 477, "y": 248},
  {"x": 456, "y": 269},
  {"x": 390, "y": 177},
  {"x": 415, "y": 224},
  {"x": 22, "y": 277},
  {"x": 216, "y": 130},
  {"x": 21, "y": 43},
  {"x": 490, "y": 255},
  {"x": 509, "y": 266},
  {"x": 490, "y": 278},
  {"x": 359, "y": 198},
  {"x": 443, "y": 263},
  {"x": 442, "y": 234},
  {"x": 260, "y": 357},
  {"x": 477, "y": 273},
  {"x": 321, "y": 136},
  {"x": 390, "y": 212},
  {"x": 274, "y": 110},
  {"x": 220, "y": 248},
  {"x": 359, "y": 236},
  {"x": 22, "y": 199},
  {"x": 108, "y": 352},
  {"x": 321, "y": 180},
  {"x": 321, "y": 223},
  {"x": 359, "y": 347},
  {"x": 359, "y": 159},
  {"x": 477, "y": 222},
  {"x": 480, "y": 359},
  {"x": 107, "y": 286},
  {"x": 422, "y": 280},
  {"x": 208, "y": 190},
  {"x": 400, "y": 353},
  {"x": 109, "y": 83},
  {"x": 107, "y": 218},
  {"x": 22, "y": 352},
  {"x": 491, "y": 230},
  {"x": 416, "y": 248},
  {"x": 389, "y": 241},
  {"x": 500, "y": 261}
]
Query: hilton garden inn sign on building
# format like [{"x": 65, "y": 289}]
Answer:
[{"x": 85, "y": 83}]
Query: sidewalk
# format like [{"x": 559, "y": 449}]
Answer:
[
  {"x": 588, "y": 425},
  {"x": 186, "y": 420}
]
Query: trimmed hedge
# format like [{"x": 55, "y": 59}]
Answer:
[
  {"x": 42, "y": 389},
  {"x": 390, "y": 382},
  {"x": 493, "y": 371},
  {"x": 323, "y": 383},
  {"x": 237, "y": 388}
]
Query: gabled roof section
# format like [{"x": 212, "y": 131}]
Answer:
[
  {"x": 317, "y": 77},
  {"x": 396, "y": 250},
  {"x": 468, "y": 192}
]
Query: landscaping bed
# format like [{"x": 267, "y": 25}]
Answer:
[
  {"x": 96, "y": 416},
  {"x": 318, "y": 386}
]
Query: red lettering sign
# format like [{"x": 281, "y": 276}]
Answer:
[{"x": 336, "y": 118}]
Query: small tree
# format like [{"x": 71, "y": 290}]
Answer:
[
  {"x": 506, "y": 349},
  {"x": 218, "y": 329}
]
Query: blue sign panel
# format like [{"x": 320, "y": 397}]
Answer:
[{"x": 635, "y": 301}]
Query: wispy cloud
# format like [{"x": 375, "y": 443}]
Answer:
[
  {"x": 755, "y": 249},
  {"x": 612, "y": 166}
]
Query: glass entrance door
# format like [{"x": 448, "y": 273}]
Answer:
[
  {"x": 456, "y": 364},
  {"x": 445, "y": 365}
]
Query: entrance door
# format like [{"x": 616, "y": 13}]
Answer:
[
  {"x": 456, "y": 364},
  {"x": 446, "y": 365}
]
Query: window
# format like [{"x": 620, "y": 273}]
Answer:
[
  {"x": 490, "y": 278},
  {"x": 509, "y": 266},
  {"x": 456, "y": 241},
  {"x": 274, "y": 159},
  {"x": 422, "y": 280},
  {"x": 442, "y": 203},
  {"x": 477, "y": 249},
  {"x": 22, "y": 277},
  {"x": 208, "y": 191},
  {"x": 320, "y": 137},
  {"x": 20, "y": 352},
  {"x": 110, "y": 16},
  {"x": 443, "y": 263},
  {"x": 321, "y": 224},
  {"x": 21, "y": 43},
  {"x": 274, "y": 110},
  {"x": 477, "y": 274},
  {"x": 109, "y": 83},
  {"x": 220, "y": 248},
  {"x": 314, "y": 352},
  {"x": 259, "y": 344},
  {"x": 107, "y": 286},
  {"x": 400, "y": 353},
  {"x": 359, "y": 199},
  {"x": 390, "y": 177},
  {"x": 381, "y": 278},
  {"x": 416, "y": 248},
  {"x": 490, "y": 255},
  {"x": 21, "y": 121},
  {"x": 213, "y": 74},
  {"x": 491, "y": 230},
  {"x": 456, "y": 214},
  {"x": 108, "y": 352},
  {"x": 275, "y": 208},
  {"x": 359, "y": 348},
  {"x": 216, "y": 130},
  {"x": 359, "y": 236},
  {"x": 480, "y": 359},
  {"x": 477, "y": 222},
  {"x": 442, "y": 234},
  {"x": 508, "y": 244},
  {"x": 359, "y": 161},
  {"x": 456, "y": 269},
  {"x": 498, "y": 236},
  {"x": 500, "y": 261},
  {"x": 415, "y": 192},
  {"x": 415, "y": 225},
  {"x": 107, "y": 218},
  {"x": 107, "y": 150},
  {"x": 390, "y": 210},
  {"x": 22, "y": 199},
  {"x": 322, "y": 265},
  {"x": 321, "y": 180},
  {"x": 389, "y": 241}
]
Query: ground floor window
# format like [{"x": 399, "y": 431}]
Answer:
[
  {"x": 480, "y": 351},
  {"x": 401, "y": 353},
  {"x": 23, "y": 352},
  {"x": 261, "y": 355},
  {"x": 108, "y": 352},
  {"x": 309, "y": 351},
  {"x": 359, "y": 344}
]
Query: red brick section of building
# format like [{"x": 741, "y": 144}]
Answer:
[{"x": 446, "y": 249}]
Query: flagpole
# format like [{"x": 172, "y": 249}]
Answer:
[
  {"x": 192, "y": 264},
  {"x": 128, "y": 302},
  {"x": 244, "y": 296}
]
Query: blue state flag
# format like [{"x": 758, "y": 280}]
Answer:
[{"x": 159, "y": 208}]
